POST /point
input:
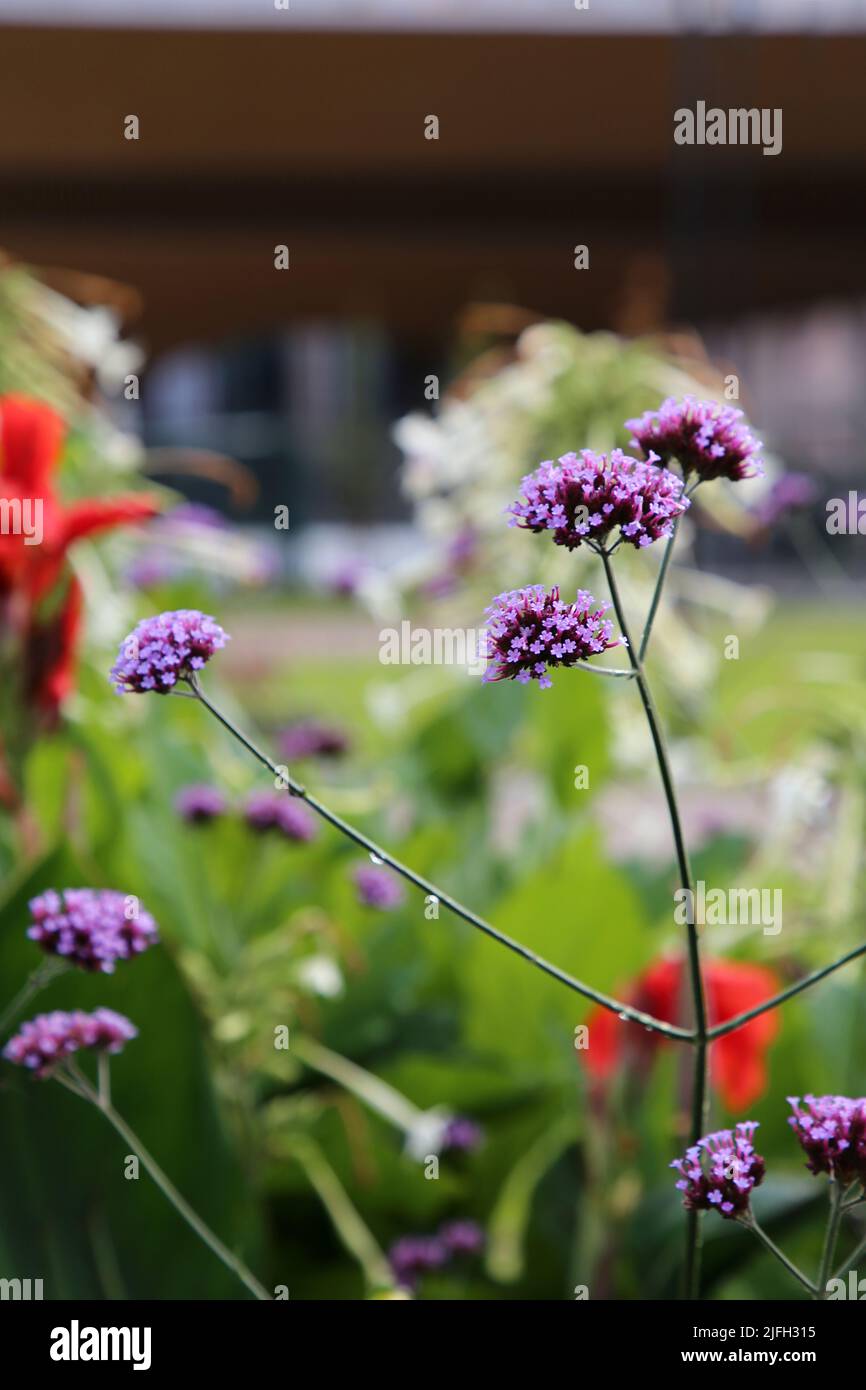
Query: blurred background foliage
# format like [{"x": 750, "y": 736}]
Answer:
[{"x": 282, "y": 1150}]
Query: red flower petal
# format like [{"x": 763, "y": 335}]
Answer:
[
  {"x": 31, "y": 439},
  {"x": 98, "y": 514},
  {"x": 737, "y": 1062}
]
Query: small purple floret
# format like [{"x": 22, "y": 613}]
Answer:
[
  {"x": 529, "y": 630},
  {"x": 732, "y": 1170},
  {"x": 704, "y": 437},
  {"x": 165, "y": 649},
  {"x": 584, "y": 497},
  {"x": 49, "y": 1039},
  {"x": 91, "y": 927}
]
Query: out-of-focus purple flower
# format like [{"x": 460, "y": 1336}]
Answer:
[
  {"x": 462, "y": 1237},
  {"x": 703, "y": 436},
  {"x": 194, "y": 538},
  {"x": 529, "y": 630},
  {"x": 377, "y": 887},
  {"x": 48, "y": 1039},
  {"x": 309, "y": 739},
  {"x": 346, "y": 579},
  {"x": 459, "y": 559},
  {"x": 791, "y": 491},
  {"x": 732, "y": 1170},
  {"x": 412, "y": 1256},
  {"x": 832, "y": 1133},
  {"x": 463, "y": 1134},
  {"x": 280, "y": 811},
  {"x": 199, "y": 803},
  {"x": 584, "y": 497},
  {"x": 165, "y": 649},
  {"x": 91, "y": 927}
]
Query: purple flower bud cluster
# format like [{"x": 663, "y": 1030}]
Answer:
[
  {"x": 166, "y": 649},
  {"x": 282, "y": 812},
  {"x": 732, "y": 1170},
  {"x": 832, "y": 1133},
  {"x": 200, "y": 803},
  {"x": 309, "y": 739},
  {"x": 49, "y": 1039},
  {"x": 704, "y": 437},
  {"x": 413, "y": 1256},
  {"x": 529, "y": 630},
  {"x": 91, "y": 927},
  {"x": 377, "y": 887},
  {"x": 585, "y": 497}
]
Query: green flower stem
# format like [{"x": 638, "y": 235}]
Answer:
[
  {"x": 165, "y": 1185},
  {"x": 657, "y": 592},
  {"x": 374, "y": 1092},
  {"x": 851, "y": 1259},
  {"x": 41, "y": 976},
  {"x": 831, "y": 1236},
  {"x": 721, "y": 1029},
  {"x": 699, "y": 1075},
  {"x": 625, "y": 1011},
  {"x": 751, "y": 1225},
  {"x": 355, "y": 1235},
  {"x": 604, "y": 670}
]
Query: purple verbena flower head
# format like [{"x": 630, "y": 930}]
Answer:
[
  {"x": 462, "y": 1134},
  {"x": 412, "y": 1256},
  {"x": 165, "y": 649},
  {"x": 48, "y": 1039},
  {"x": 832, "y": 1133},
  {"x": 91, "y": 927},
  {"x": 733, "y": 1168},
  {"x": 309, "y": 739},
  {"x": 377, "y": 887},
  {"x": 704, "y": 437},
  {"x": 584, "y": 497},
  {"x": 462, "y": 1237},
  {"x": 529, "y": 630},
  {"x": 280, "y": 811},
  {"x": 199, "y": 803}
]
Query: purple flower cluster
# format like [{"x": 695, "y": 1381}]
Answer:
[
  {"x": 200, "y": 803},
  {"x": 583, "y": 498},
  {"x": 832, "y": 1132},
  {"x": 704, "y": 437},
  {"x": 282, "y": 812},
  {"x": 529, "y": 630},
  {"x": 91, "y": 927},
  {"x": 734, "y": 1168},
  {"x": 48, "y": 1039},
  {"x": 166, "y": 649},
  {"x": 412, "y": 1256},
  {"x": 377, "y": 887},
  {"x": 308, "y": 739}
]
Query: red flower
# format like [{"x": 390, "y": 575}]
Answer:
[
  {"x": 38, "y": 603},
  {"x": 738, "y": 1068}
]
